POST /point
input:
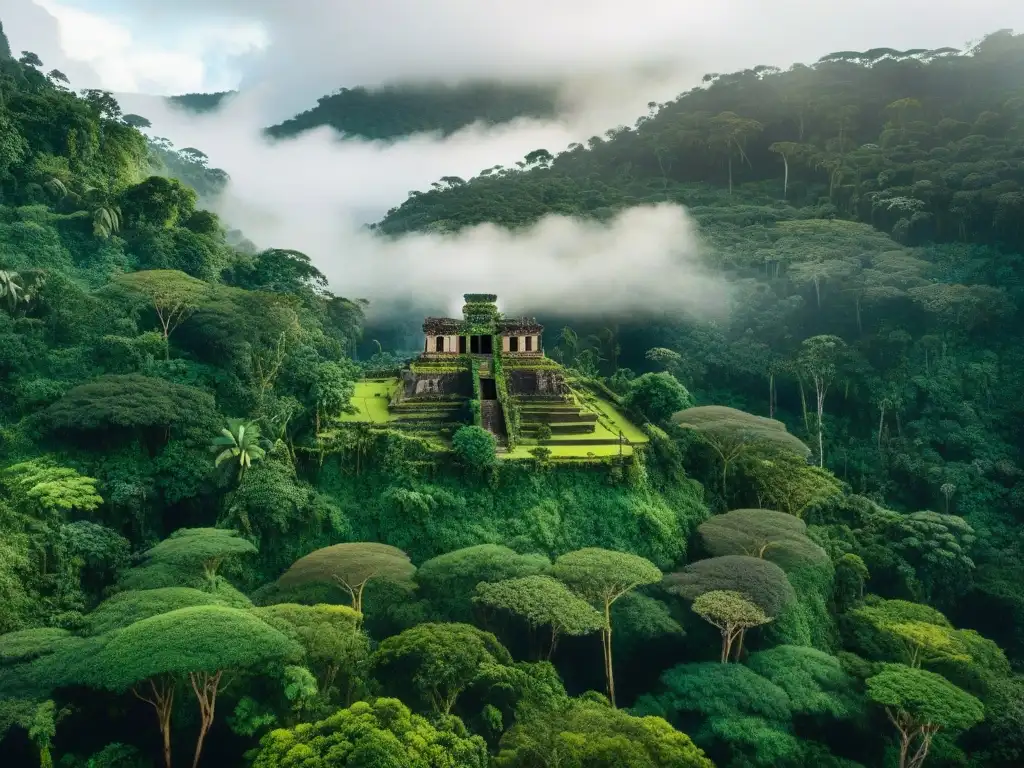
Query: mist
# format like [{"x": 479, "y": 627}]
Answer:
[{"x": 315, "y": 193}]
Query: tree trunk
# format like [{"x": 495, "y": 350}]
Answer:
[
  {"x": 803, "y": 405},
  {"x": 163, "y": 702},
  {"x": 881, "y": 422},
  {"x": 606, "y": 641},
  {"x": 730, "y": 173},
  {"x": 771, "y": 395},
  {"x": 554, "y": 643},
  {"x": 205, "y": 686},
  {"x": 821, "y": 437},
  {"x": 785, "y": 178}
]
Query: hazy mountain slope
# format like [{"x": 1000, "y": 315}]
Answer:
[{"x": 400, "y": 110}]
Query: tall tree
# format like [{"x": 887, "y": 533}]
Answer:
[
  {"x": 439, "y": 660},
  {"x": 919, "y": 704},
  {"x": 732, "y": 433},
  {"x": 786, "y": 150},
  {"x": 728, "y": 132},
  {"x": 602, "y": 577},
  {"x": 819, "y": 360},
  {"x": 542, "y": 601},
  {"x": 352, "y": 566},
  {"x": 174, "y": 296},
  {"x": 732, "y": 614}
]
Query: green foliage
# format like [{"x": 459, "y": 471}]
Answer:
[
  {"x": 50, "y": 488},
  {"x": 239, "y": 443},
  {"x": 602, "y": 576},
  {"x": 589, "y": 734},
  {"x": 542, "y": 601},
  {"x": 774, "y": 536},
  {"x": 870, "y": 255},
  {"x": 731, "y": 613},
  {"x": 399, "y": 110},
  {"x": 733, "y": 434},
  {"x": 131, "y": 402},
  {"x": 938, "y": 548},
  {"x": 382, "y": 733},
  {"x": 475, "y": 447},
  {"x": 438, "y": 660},
  {"x": 509, "y": 407},
  {"x": 449, "y": 581},
  {"x": 198, "y": 550},
  {"x": 714, "y": 690},
  {"x": 204, "y": 638},
  {"x": 759, "y": 581},
  {"x": 127, "y": 607},
  {"x": 815, "y": 682},
  {"x": 351, "y": 566},
  {"x": 26, "y": 644},
  {"x": 920, "y": 702},
  {"x": 657, "y": 396}
]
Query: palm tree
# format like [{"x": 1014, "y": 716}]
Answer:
[
  {"x": 11, "y": 288},
  {"x": 106, "y": 221},
  {"x": 241, "y": 442}
]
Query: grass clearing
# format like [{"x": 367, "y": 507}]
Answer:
[
  {"x": 569, "y": 452},
  {"x": 370, "y": 399},
  {"x": 612, "y": 420}
]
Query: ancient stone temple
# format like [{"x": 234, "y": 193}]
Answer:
[
  {"x": 490, "y": 371},
  {"x": 478, "y": 331}
]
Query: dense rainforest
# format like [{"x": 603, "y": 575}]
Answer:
[
  {"x": 815, "y": 561},
  {"x": 393, "y": 111}
]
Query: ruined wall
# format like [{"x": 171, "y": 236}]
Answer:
[
  {"x": 436, "y": 384},
  {"x": 538, "y": 382}
]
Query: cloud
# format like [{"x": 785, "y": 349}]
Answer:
[
  {"x": 315, "y": 47},
  {"x": 316, "y": 193},
  {"x": 98, "y": 50},
  {"x": 30, "y": 27}
]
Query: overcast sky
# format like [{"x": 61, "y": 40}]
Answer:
[
  {"x": 315, "y": 193},
  {"x": 309, "y": 47}
]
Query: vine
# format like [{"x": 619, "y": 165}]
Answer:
[
  {"x": 509, "y": 408},
  {"x": 474, "y": 404}
]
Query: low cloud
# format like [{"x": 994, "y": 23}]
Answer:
[
  {"x": 316, "y": 193},
  {"x": 303, "y": 50}
]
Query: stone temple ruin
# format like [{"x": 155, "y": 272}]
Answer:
[{"x": 490, "y": 370}]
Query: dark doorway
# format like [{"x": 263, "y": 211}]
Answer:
[
  {"x": 462, "y": 345},
  {"x": 439, "y": 344},
  {"x": 513, "y": 344},
  {"x": 474, "y": 345},
  {"x": 488, "y": 391},
  {"x": 485, "y": 345},
  {"x": 529, "y": 343}
]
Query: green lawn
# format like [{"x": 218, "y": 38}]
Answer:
[
  {"x": 370, "y": 400},
  {"x": 569, "y": 452},
  {"x": 611, "y": 420}
]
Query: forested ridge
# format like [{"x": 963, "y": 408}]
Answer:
[
  {"x": 815, "y": 561},
  {"x": 394, "y": 111}
]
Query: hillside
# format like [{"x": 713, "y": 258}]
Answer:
[
  {"x": 896, "y": 235},
  {"x": 200, "y": 102},
  {"x": 393, "y": 111},
  {"x": 224, "y": 539}
]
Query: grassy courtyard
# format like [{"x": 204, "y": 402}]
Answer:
[{"x": 370, "y": 399}]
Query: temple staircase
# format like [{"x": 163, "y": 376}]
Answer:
[{"x": 493, "y": 420}]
